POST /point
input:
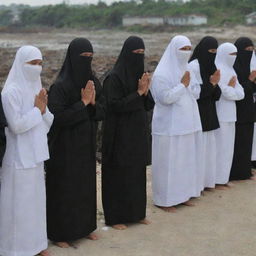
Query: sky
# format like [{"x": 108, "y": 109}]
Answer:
[{"x": 37, "y": 2}]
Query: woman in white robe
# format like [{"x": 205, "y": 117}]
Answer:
[
  {"x": 22, "y": 196},
  {"x": 175, "y": 127},
  {"x": 231, "y": 91}
]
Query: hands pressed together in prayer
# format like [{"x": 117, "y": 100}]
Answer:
[
  {"x": 186, "y": 79},
  {"x": 41, "y": 101},
  {"x": 232, "y": 81},
  {"x": 252, "y": 76},
  {"x": 88, "y": 94},
  {"x": 144, "y": 84},
  {"x": 215, "y": 78}
]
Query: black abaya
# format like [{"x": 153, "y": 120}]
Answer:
[
  {"x": 71, "y": 170},
  {"x": 241, "y": 166},
  {"x": 126, "y": 147},
  {"x": 3, "y": 124}
]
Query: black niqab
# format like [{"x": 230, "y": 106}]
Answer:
[
  {"x": 243, "y": 60},
  {"x": 129, "y": 66},
  {"x": 76, "y": 69},
  {"x": 205, "y": 58}
]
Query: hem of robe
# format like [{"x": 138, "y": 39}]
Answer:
[
  {"x": 173, "y": 203},
  {"x": 28, "y": 253},
  {"x": 137, "y": 220},
  {"x": 71, "y": 238},
  {"x": 240, "y": 178}
]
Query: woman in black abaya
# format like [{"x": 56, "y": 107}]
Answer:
[
  {"x": 76, "y": 101},
  {"x": 241, "y": 166},
  {"x": 126, "y": 147},
  {"x": 3, "y": 124}
]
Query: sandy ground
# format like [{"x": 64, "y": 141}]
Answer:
[{"x": 223, "y": 223}]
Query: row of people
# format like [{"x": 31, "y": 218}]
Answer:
[{"x": 184, "y": 159}]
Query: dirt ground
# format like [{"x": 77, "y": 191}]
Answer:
[{"x": 223, "y": 223}]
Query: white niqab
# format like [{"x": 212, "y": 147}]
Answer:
[
  {"x": 27, "y": 128},
  {"x": 253, "y": 61},
  {"x": 225, "y": 62},
  {"x": 174, "y": 61}
]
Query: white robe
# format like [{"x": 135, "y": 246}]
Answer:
[
  {"x": 22, "y": 195},
  {"x": 175, "y": 127},
  {"x": 254, "y": 143},
  {"x": 225, "y": 139},
  {"x": 207, "y": 147},
  {"x": 226, "y": 110}
]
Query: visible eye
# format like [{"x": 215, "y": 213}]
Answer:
[
  {"x": 186, "y": 48},
  {"x": 87, "y": 54},
  {"x": 212, "y": 50},
  {"x": 139, "y": 51},
  {"x": 249, "y": 48},
  {"x": 35, "y": 62}
]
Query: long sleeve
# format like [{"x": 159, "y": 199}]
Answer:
[
  {"x": 48, "y": 118},
  {"x": 116, "y": 99},
  {"x": 208, "y": 91},
  {"x": 195, "y": 90},
  {"x": 98, "y": 111},
  {"x": 164, "y": 94},
  {"x": 64, "y": 114},
  {"x": 232, "y": 93},
  {"x": 17, "y": 121},
  {"x": 149, "y": 102}
]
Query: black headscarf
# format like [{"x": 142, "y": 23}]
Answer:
[
  {"x": 243, "y": 60},
  {"x": 205, "y": 58},
  {"x": 76, "y": 69},
  {"x": 129, "y": 66},
  {"x": 3, "y": 122}
]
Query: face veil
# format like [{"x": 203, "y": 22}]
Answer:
[
  {"x": 243, "y": 60},
  {"x": 76, "y": 69},
  {"x": 205, "y": 58},
  {"x": 129, "y": 66}
]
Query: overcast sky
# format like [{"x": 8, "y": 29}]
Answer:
[{"x": 37, "y": 2}]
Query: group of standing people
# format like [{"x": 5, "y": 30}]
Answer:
[{"x": 202, "y": 134}]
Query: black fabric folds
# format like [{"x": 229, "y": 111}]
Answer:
[
  {"x": 126, "y": 145},
  {"x": 71, "y": 169},
  {"x": 241, "y": 166},
  {"x": 3, "y": 124}
]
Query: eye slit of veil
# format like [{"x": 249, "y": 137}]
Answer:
[
  {"x": 35, "y": 62},
  {"x": 212, "y": 50},
  {"x": 249, "y": 48},
  {"x": 186, "y": 48},
  {"x": 233, "y": 53},
  {"x": 139, "y": 51},
  {"x": 87, "y": 54}
]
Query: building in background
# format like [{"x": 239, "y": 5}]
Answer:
[
  {"x": 251, "y": 18},
  {"x": 181, "y": 20}
]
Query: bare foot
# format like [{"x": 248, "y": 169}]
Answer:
[
  {"x": 145, "y": 221},
  {"x": 167, "y": 209},
  {"x": 119, "y": 226},
  {"x": 209, "y": 189},
  {"x": 44, "y": 253},
  {"x": 222, "y": 187},
  {"x": 188, "y": 203},
  {"x": 62, "y": 244},
  {"x": 93, "y": 237},
  {"x": 253, "y": 178}
]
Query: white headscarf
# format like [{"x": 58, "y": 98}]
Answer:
[
  {"x": 225, "y": 62},
  {"x": 174, "y": 61},
  {"x": 253, "y": 61},
  {"x": 24, "y": 75},
  {"x": 29, "y": 148}
]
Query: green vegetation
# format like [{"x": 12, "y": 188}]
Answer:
[{"x": 219, "y": 12}]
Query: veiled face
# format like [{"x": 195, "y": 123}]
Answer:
[{"x": 249, "y": 48}]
